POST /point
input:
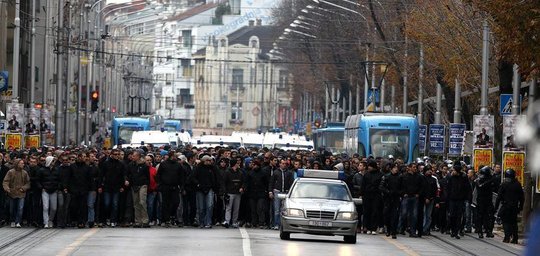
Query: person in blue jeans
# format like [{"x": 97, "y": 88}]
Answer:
[
  {"x": 205, "y": 180},
  {"x": 280, "y": 182},
  {"x": 412, "y": 186},
  {"x": 16, "y": 183}
]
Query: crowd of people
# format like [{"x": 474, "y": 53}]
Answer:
[{"x": 144, "y": 187}]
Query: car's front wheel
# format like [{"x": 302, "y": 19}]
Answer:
[
  {"x": 350, "y": 239},
  {"x": 284, "y": 235}
]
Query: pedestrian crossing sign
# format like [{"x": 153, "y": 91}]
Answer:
[{"x": 506, "y": 101}]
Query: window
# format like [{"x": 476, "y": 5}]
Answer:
[
  {"x": 36, "y": 70},
  {"x": 186, "y": 38},
  {"x": 169, "y": 101},
  {"x": 236, "y": 112},
  {"x": 184, "y": 97},
  {"x": 237, "y": 78},
  {"x": 283, "y": 79},
  {"x": 186, "y": 66}
]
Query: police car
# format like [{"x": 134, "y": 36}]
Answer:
[{"x": 319, "y": 203}]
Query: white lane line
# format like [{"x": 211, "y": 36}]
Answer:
[{"x": 246, "y": 244}]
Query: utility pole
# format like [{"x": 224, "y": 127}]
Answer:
[
  {"x": 79, "y": 84},
  {"x": 439, "y": 103},
  {"x": 366, "y": 82},
  {"x": 59, "y": 74},
  {"x": 405, "y": 74},
  {"x": 516, "y": 84},
  {"x": 16, "y": 52},
  {"x": 89, "y": 75},
  {"x": 69, "y": 80},
  {"x": 457, "y": 103},
  {"x": 46, "y": 80},
  {"x": 33, "y": 56},
  {"x": 393, "y": 97},
  {"x": 420, "y": 85},
  {"x": 485, "y": 70}
]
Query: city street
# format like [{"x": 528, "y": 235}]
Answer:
[{"x": 220, "y": 241}]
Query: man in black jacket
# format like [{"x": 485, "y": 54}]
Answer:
[
  {"x": 80, "y": 183},
  {"x": 280, "y": 182},
  {"x": 510, "y": 197},
  {"x": 430, "y": 194},
  {"x": 411, "y": 186},
  {"x": 391, "y": 189},
  {"x": 459, "y": 190},
  {"x": 113, "y": 179},
  {"x": 372, "y": 196},
  {"x": 139, "y": 179},
  {"x": 48, "y": 181},
  {"x": 170, "y": 179},
  {"x": 189, "y": 201},
  {"x": 65, "y": 171},
  {"x": 205, "y": 178},
  {"x": 33, "y": 196},
  {"x": 484, "y": 205},
  {"x": 233, "y": 185},
  {"x": 256, "y": 187}
]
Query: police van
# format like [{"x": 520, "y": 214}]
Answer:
[{"x": 319, "y": 203}]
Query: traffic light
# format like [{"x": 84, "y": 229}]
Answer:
[
  {"x": 317, "y": 123},
  {"x": 95, "y": 100}
]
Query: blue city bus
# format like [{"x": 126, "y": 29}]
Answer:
[
  {"x": 330, "y": 137},
  {"x": 123, "y": 127},
  {"x": 381, "y": 135},
  {"x": 171, "y": 125}
]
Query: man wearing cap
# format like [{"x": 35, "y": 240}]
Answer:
[{"x": 206, "y": 182}]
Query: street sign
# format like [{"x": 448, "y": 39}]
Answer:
[
  {"x": 506, "y": 101},
  {"x": 515, "y": 161},
  {"x": 482, "y": 157},
  {"x": 4, "y": 75},
  {"x": 436, "y": 139},
  {"x": 422, "y": 138},
  {"x": 456, "y": 134}
]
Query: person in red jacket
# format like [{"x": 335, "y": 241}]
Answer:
[{"x": 152, "y": 191}]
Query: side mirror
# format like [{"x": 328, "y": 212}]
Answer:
[
  {"x": 281, "y": 196},
  {"x": 357, "y": 201}
]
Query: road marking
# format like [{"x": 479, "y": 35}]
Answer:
[
  {"x": 401, "y": 246},
  {"x": 70, "y": 248},
  {"x": 246, "y": 244}
]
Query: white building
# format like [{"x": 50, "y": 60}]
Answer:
[{"x": 239, "y": 87}]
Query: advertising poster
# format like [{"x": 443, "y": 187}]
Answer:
[
  {"x": 422, "y": 132},
  {"x": 32, "y": 121},
  {"x": 14, "y": 140},
  {"x": 482, "y": 157},
  {"x": 456, "y": 134},
  {"x": 15, "y": 116},
  {"x": 509, "y": 130},
  {"x": 436, "y": 139},
  {"x": 516, "y": 161},
  {"x": 31, "y": 141},
  {"x": 483, "y": 128}
]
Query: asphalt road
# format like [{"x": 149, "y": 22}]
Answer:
[{"x": 158, "y": 241}]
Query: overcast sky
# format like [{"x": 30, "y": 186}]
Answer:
[{"x": 117, "y": 1}]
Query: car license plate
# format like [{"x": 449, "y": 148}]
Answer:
[{"x": 320, "y": 223}]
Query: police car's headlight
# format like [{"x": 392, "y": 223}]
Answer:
[
  {"x": 347, "y": 216},
  {"x": 291, "y": 212}
]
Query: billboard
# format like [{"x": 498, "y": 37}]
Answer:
[
  {"x": 456, "y": 133},
  {"x": 483, "y": 128},
  {"x": 436, "y": 139},
  {"x": 482, "y": 157},
  {"x": 510, "y": 124}
]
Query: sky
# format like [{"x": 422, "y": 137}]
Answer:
[{"x": 117, "y": 1}]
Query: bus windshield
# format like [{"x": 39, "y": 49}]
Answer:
[
  {"x": 170, "y": 128},
  {"x": 124, "y": 134},
  {"x": 384, "y": 142},
  {"x": 334, "y": 141}
]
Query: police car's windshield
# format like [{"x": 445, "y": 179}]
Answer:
[{"x": 321, "y": 191}]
